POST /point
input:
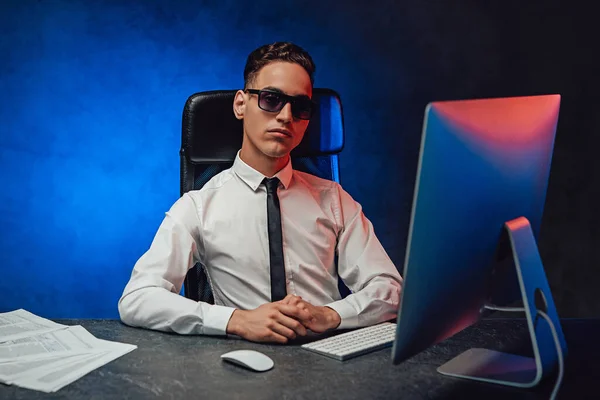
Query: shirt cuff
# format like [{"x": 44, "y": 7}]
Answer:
[
  {"x": 216, "y": 320},
  {"x": 348, "y": 315}
]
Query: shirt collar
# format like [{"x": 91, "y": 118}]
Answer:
[{"x": 253, "y": 178}]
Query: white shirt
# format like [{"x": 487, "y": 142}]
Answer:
[{"x": 223, "y": 226}]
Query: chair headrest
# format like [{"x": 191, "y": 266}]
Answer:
[{"x": 212, "y": 134}]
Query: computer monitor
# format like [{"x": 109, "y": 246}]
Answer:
[{"x": 479, "y": 196}]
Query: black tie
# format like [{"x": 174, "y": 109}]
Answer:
[{"x": 278, "y": 289}]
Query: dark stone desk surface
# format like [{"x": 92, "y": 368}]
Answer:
[{"x": 167, "y": 366}]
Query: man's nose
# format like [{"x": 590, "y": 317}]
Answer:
[{"x": 285, "y": 115}]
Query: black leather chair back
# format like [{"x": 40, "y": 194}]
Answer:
[{"x": 212, "y": 136}]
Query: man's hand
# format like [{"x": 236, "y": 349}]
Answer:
[
  {"x": 272, "y": 322},
  {"x": 322, "y": 318}
]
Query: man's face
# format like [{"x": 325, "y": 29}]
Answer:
[{"x": 274, "y": 134}]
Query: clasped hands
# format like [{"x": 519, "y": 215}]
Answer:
[{"x": 282, "y": 320}]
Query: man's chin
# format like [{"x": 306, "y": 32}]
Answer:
[{"x": 278, "y": 152}]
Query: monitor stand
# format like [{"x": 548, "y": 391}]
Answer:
[{"x": 509, "y": 369}]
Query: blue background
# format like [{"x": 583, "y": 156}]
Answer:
[{"x": 91, "y": 95}]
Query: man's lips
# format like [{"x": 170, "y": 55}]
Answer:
[{"x": 282, "y": 131}]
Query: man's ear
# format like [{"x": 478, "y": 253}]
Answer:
[{"x": 239, "y": 104}]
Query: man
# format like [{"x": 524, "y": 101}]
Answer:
[{"x": 267, "y": 245}]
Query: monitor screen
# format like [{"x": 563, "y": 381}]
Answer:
[{"x": 482, "y": 163}]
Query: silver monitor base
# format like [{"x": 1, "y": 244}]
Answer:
[
  {"x": 509, "y": 369},
  {"x": 492, "y": 366}
]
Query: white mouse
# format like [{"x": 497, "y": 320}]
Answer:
[{"x": 251, "y": 359}]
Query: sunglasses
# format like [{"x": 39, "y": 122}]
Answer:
[{"x": 272, "y": 101}]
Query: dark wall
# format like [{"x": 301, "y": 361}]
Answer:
[{"x": 91, "y": 94}]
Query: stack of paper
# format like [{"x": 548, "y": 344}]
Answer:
[{"x": 39, "y": 354}]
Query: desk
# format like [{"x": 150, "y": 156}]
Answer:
[{"x": 168, "y": 366}]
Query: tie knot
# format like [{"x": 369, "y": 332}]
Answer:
[{"x": 271, "y": 184}]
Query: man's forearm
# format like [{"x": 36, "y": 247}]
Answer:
[
  {"x": 157, "y": 308},
  {"x": 376, "y": 302}
]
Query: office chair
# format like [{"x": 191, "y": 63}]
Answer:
[{"x": 211, "y": 137}]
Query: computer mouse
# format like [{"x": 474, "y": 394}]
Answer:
[{"x": 250, "y": 359}]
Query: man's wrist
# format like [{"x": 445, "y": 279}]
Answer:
[
  {"x": 333, "y": 318},
  {"x": 233, "y": 326}
]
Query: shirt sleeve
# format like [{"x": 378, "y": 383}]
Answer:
[
  {"x": 365, "y": 268},
  {"x": 151, "y": 298}
]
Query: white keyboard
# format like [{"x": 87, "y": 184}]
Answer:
[{"x": 355, "y": 343}]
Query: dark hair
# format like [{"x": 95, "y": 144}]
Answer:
[{"x": 278, "y": 51}]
